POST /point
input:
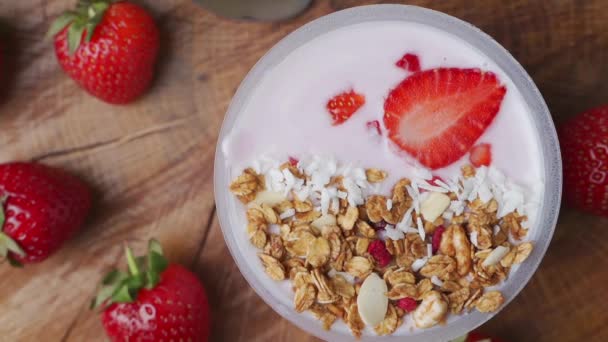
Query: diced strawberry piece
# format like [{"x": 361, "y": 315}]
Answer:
[
  {"x": 407, "y": 304},
  {"x": 343, "y": 106},
  {"x": 293, "y": 161},
  {"x": 434, "y": 180},
  {"x": 374, "y": 126},
  {"x": 437, "y": 115},
  {"x": 437, "y": 234},
  {"x": 409, "y": 62},
  {"x": 378, "y": 250},
  {"x": 481, "y": 155}
]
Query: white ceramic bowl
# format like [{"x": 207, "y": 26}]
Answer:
[{"x": 228, "y": 209}]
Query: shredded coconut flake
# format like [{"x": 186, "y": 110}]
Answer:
[
  {"x": 287, "y": 213},
  {"x": 324, "y": 201},
  {"x": 432, "y": 188},
  {"x": 419, "y": 263},
  {"x": 496, "y": 229},
  {"x": 495, "y": 256},
  {"x": 406, "y": 221},
  {"x": 457, "y": 207},
  {"x": 393, "y": 233},
  {"x": 435, "y": 280},
  {"x": 429, "y": 250},
  {"x": 421, "y": 228},
  {"x": 473, "y": 239},
  {"x": 389, "y": 204},
  {"x": 355, "y": 195},
  {"x": 448, "y": 215}
]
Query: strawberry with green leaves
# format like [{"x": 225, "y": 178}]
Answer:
[
  {"x": 41, "y": 208},
  {"x": 109, "y": 48},
  {"x": 153, "y": 301}
]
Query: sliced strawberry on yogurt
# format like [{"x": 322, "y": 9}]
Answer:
[
  {"x": 343, "y": 106},
  {"x": 481, "y": 155},
  {"x": 409, "y": 62},
  {"x": 437, "y": 115}
]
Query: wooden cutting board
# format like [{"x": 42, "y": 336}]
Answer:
[{"x": 151, "y": 163}]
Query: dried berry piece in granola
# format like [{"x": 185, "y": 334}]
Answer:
[
  {"x": 378, "y": 251},
  {"x": 407, "y": 304}
]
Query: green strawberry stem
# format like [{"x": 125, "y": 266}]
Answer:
[
  {"x": 144, "y": 272},
  {"x": 7, "y": 244},
  {"x": 131, "y": 262},
  {"x": 87, "y": 15}
]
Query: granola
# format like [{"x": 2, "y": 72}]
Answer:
[{"x": 323, "y": 247}]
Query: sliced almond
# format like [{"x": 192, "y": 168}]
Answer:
[
  {"x": 372, "y": 301},
  {"x": 271, "y": 198},
  {"x": 434, "y": 205},
  {"x": 495, "y": 256},
  {"x": 325, "y": 220}
]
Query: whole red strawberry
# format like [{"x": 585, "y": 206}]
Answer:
[
  {"x": 475, "y": 336},
  {"x": 109, "y": 48},
  {"x": 42, "y": 207},
  {"x": 155, "y": 301},
  {"x": 584, "y": 143}
]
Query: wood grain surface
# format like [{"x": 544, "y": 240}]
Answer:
[{"x": 151, "y": 163}]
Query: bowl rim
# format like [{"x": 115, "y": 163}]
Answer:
[{"x": 548, "y": 212}]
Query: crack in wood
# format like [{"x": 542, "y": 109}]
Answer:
[
  {"x": 203, "y": 241},
  {"x": 70, "y": 328},
  {"x": 115, "y": 142}
]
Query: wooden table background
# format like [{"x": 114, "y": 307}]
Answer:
[{"x": 151, "y": 163}]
